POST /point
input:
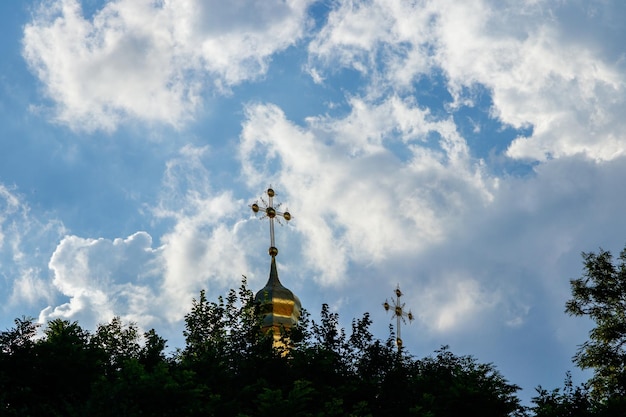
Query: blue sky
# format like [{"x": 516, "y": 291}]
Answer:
[{"x": 468, "y": 151}]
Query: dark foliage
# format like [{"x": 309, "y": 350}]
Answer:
[
  {"x": 569, "y": 402},
  {"x": 600, "y": 295},
  {"x": 228, "y": 368}
]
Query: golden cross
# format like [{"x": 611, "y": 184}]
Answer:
[
  {"x": 269, "y": 211},
  {"x": 399, "y": 314}
]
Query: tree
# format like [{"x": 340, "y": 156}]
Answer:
[
  {"x": 118, "y": 341},
  {"x": 21, "y": 337},
  {"x": 600, "y": 294},
  {"x": 570, "y": 402},
  {"x": 16, "y": 353},
  {"x": 63, "y": 367},
  {"x": 451, "y": 385}
]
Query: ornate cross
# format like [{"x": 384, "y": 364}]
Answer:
[
  {"x": 399, "y": 314},
  {"x": 270, "y": 212}
]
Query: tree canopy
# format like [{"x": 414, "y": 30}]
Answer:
[
  {"x": 229, "y": 368},
  {"x": 600, "y": 295}
]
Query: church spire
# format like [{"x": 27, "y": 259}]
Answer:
[{"x": 278, "y": 305}]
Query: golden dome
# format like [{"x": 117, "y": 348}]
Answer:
[{"x": 278, "y": 305}]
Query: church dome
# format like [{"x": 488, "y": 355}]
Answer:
[{"x": 278, "y": 305}]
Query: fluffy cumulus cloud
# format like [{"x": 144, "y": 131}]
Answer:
[
  {"x": 205, "y": 246},
  {"x": 355, "y": 198},
  {"x": 539, "y": 75},
  {"x": 394, "y": 189},
  {"x": 510, "y": 261},
  {"x": 152, "y": 60},
  {"x": 103, "y": 278},
  {"x": 454, "y": 301},
  {"x": 147, "y": 283}
]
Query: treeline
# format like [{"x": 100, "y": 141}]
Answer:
[{"x": 228, "y": 368}]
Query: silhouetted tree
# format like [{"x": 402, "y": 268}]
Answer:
[
  {"x": 570, "y": 402},
  {"x": 600, "y": 294},
  {"x": 16, "y": 367},
  {"x": 63, "y": 368}
]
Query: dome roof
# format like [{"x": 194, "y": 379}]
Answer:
[{"x": 278, "y": 305}]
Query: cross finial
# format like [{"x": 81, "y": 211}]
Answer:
[
  {"x": 270, "y": 212},
  {"x": 398, "y": 313}
]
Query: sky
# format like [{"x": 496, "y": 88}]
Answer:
[{"x": 467, "y": 151}]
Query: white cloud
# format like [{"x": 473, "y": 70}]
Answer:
[
  {"x": 355, "y": 200},
  {"x": 356, "y": 32},
  {"x": 30, "y": 286},
  {"x": 25, "y": 242},
  {"x": 539, "y": 73},
  {"x": 515, "y": 256},
  {"x": 506, "y": 264},
  {"x": 105, "y": 278},
  {"x": 197, "y": 257},
  {"x": 204, "y": 245},
  {"x": 131, "y": 278},
  {"x": 454, "y": 300},
  {"x": 151, "y": 60}
]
